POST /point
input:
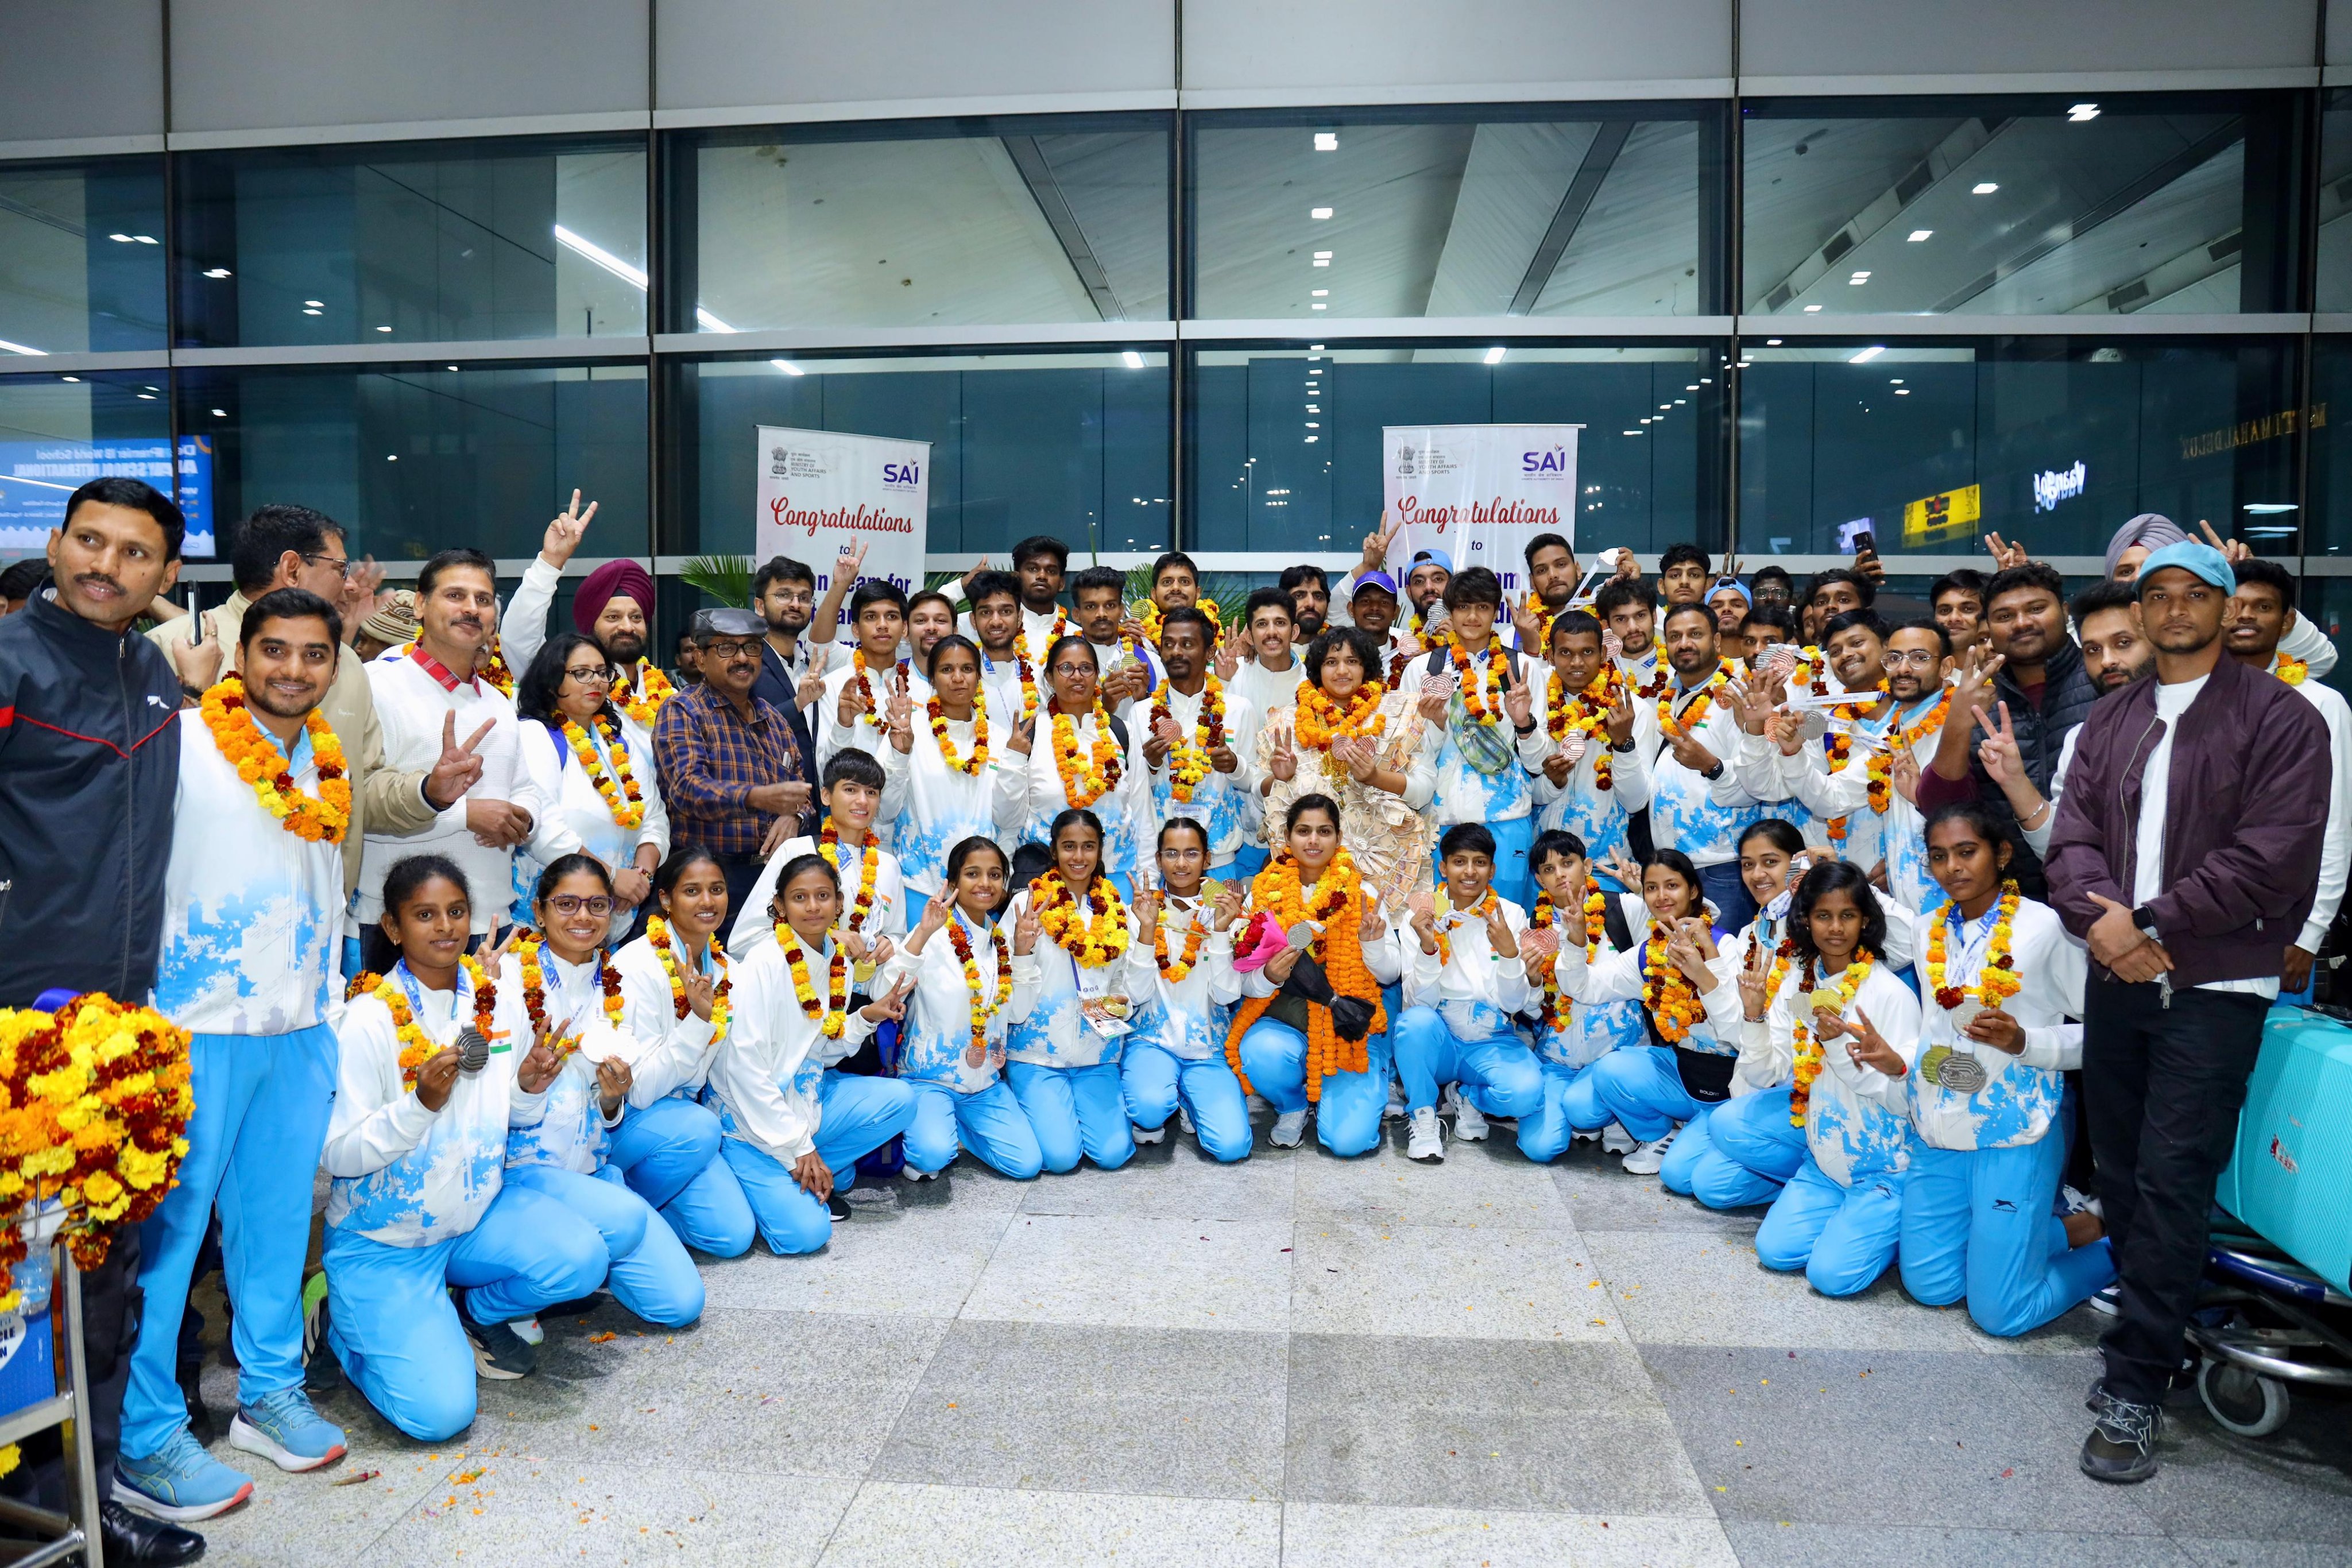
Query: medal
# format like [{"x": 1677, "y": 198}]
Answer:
[
  {"x": 1573, "y": 747},
  {"x": 1825, "y": 1001},
  {"x": 473, "y": 1051},
  {"x": 1961, "y": 1075}
]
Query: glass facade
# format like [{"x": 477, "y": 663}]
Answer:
[{"x": 327, "y": 323}]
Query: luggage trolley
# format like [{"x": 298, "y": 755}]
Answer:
[
  {"x": 2265, "y": 1324},
  {"x": 43, "y": 1384}
]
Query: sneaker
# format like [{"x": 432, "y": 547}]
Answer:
[
  {"x": 2122, "y": 1444},
  {"x": 499, "y": 1352},
  {"x": 1289, "y": 1130},
  {"x": 179, "y": 1482},
  {"x": 836, "y": 1203},
  {"x": 1184, "y": 1120},
  {"x": 2107, "y": 1299},
  {"x": 1645, "y": 1160},
  {"x": 1616, "y": 1140},
  {"x": 1257, "y": 1104},
  {"x": 2074, "y": 1201},
  {"x": 528, "y": 1331},
  {"x": 1425, "y": 1141},
  {"x": 1394, "y": 1110},
  {"x": 316, "y": 1316},
  {"x": 1150, "y": 1135},
  {"x": 1469, "y": 1121},
  {"x": 910, "y": 1173},
  {"x": 284, "y": 1428}
]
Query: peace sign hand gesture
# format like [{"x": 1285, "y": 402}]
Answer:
[
  {"x": 1024, "y": 734},
  {"x": 566, "y": 531},
  {"x": 538, "y": 1068},
  {"x": 1025, "y": 931},
  {"x": 890, "y": 1006},
  {"x": 1519, "y": 703},
  {"x": 1499, "y": 938},
  {"x": 850, "y": 561},
  {"x": 1977, "y": 672},
  {"x": 2004, "y": 554},
  {"x": 2000, "y": 754},
  {"x": 1148, "y": 901},
  {"x": 701, "y": 991},
  {"x": 2232, "y": 550},
  {"x": 1283, "y": 762},
  {"x": 1624, "y": 867},
  {"x": 1754, "y": 975},
  {"x": 1376, "y": 543},
  {"x": 457, "y": 770},
  {"x": 1228, "y": 654},
  {"x": 1619, "y": 722},
  {"x": 1868, "y": 1048}
]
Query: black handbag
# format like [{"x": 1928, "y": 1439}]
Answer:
[{"x": 1351, "y": 1017}]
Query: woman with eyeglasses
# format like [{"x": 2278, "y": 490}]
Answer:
[
  {"x": 595, "y": 765},
  {"x": 1080, "y": 757}
]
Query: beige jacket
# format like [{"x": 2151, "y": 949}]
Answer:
[{"x": 383, "y": 800}]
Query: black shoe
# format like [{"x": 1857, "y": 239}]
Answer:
[
  {"x": 499, "y": 1352},
  {"x": 134, "y": 1538},
  {"x": 838, "y": 1206},
  {"x": 2122, "y": 1446}
]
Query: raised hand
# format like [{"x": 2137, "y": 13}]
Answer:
[
  {"x": 1378, "y": 542},
  {"x": 457, "y": 770},
  {"x": 1148, "y": 902},
  {"x": 1435, "y": 694},
  {"x": 1162, "y": 740},
  {"x": 1519, "y": 703},
  {"x": 1978, "y": 670},
  {"x": 849, "y": 562},
  {"x": 1223, "y": 758},
  {"x": 899, "y": 715},
  {"x": 1233, "y": 897},
  {"x": 1374, "y": 925},
  {"x": 198, "y": 657},
  {"x": 564, "y": 533},
  {"x": 1500, "y": 940},
  {"x": 852, "y": 705},
  {"x": 363, "y": 584},
  {"x": 1230, "y": 652},
  {"x": 977, "y": 567},
  {"x": 1528, "y": 626},
  {"x": 1869, "y": 1048},
  {"x": 1788, "y": 733},
  {"x": 1690, "y": 753},
  {"x": 1754, "y": 975},
  {"x": 891, "y": 1005},
  {"x": 1903, "y": 773},
  {"x": 1619, "y": 722},
  {"x": 2000, "y": 754},
  {"x": 1751, "y": 704},
  {"x": 1283, "y": 762},
  {"x": 1024, "y": 735},
  {"x": 701, "y": 991},
  {"x": 538, "y": 1066},
  {"x": 2232, "y": 550},
  {"x": 1685, "y": 953},
  {"x": 810, "y": 688},
  {"x": 1025, "y": 931},
  {"x": 934, "y": 916},
  {"x": 2004, "y": 554},
  {"x": 1624, "y": 867}
]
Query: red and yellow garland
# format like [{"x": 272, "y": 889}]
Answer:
[
  {"x": 1668, "y": 993},
  {"x": 983, "y": 1008},
  {"x": 2290, "y": 670},
  {"x": 416, "y": 1047},
  {"x": 1696, "y": 713},
  {"x": 1479, "y": 911},
  {"x": 1188, "y": 762},
  {"x": 534, "y": 994},
  {"x": 616, "y": 787},
  {"x": 1587, "y": 712},
  {"x": 968, "y": 766},
  {"x": 653, "y": 689},
  {"x": 1808, "y": 1064},
  {"x": 869, "y": 871},
  {"x": 1085, "y": 781},
  {"x": 1319, "y": 721},
  {"x": 1482, "y": 691},
  {"x": 1338, "y": 906},
  {"x": 255, "y": 755},
  {"x": 657, "y": 932},
  {"x": 1093, "y": 930},
  {"x": 1996, "y": 981},
  {"x": 831, "y": 1013},
  {"x": 1194, "y": 935}
]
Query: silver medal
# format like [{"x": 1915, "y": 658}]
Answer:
[
  {"x": 473, "y": 1051},
  {"x": 1574, "y": 747},
  {"x": 1961, "y": 1075}
]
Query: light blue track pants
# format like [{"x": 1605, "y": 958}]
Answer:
[
  {"x": 1347, "y": 1117},
  {"x": 1499, "y": 1075},
  {"x": 1977, "y": 1223},
  {"x": 1075, "y": 1110},
  {"x": 395, "y": 1330},
  {"x": 1545, "y": 1135},
  {"x": 1638, "y": 1087},
  {"x": 647, "y": 1265},
  {"x": 1753, "y": 1151},
  {"x": 668, "y": 1153},
  {"x": 1157, "y": 1080},
  {"x": 1842, "y": 1238},
  {"x": 262, "y": 1106},
  {"x": 859, "y": 1115},
  {"x": 989, "y": 1123},
  {"x": 1513, "y": 880}
]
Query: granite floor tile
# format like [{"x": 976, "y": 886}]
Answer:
[
  {"x": 890, "y": 1260},
  {"x": 1447, "y": 1281},
  {"x": 1387, "y": 1372},
  {"x": 1137, "y": 1272},
  {"x": 1786, "y": 1544},
  {"x": 1172, "y": 1180},
  {"x": 1702, "y": 1288},
  {"x": 309, "y": 1518},
  {"x": 1489, "y": 1185},
  {"x": 2206, "y": 1552},
  {"x": 1600, "y": 1197},
  {"x": 891, "y": 1525},
  {"x": 1346, "y": 1535}
]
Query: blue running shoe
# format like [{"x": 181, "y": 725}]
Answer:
[
  {"x": 283, "y": 1429},
  {"x": 179, "y": 1482}
]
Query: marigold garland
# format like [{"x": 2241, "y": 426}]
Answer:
[
  {"x": 1149, "y": 614},
  {"x": 1085, "y": 781},
  {"x": 1176, "y": 973},
  {"x": 1997, "y": 980},
  {"x": 983, "y": 1008},
  {"x": 1477, "y": 704},
  {"x": 865, "y": 685},
  {"x": 1588, "y": 714},
  {"x": 869, "y": 870},
  {"x": 968, "y": 766},
  {"x": 1338, "y": 906},
  {"x": 645, "y": 703},
  {"x": 496, "y": 673},
  {"x": 1188, "y": 762},
  {"x": 617, "y": 786},
  {"x": 1544, "y": 616},
  {"x": 657, "y": 932},
  {"x": 253, "y": 753},
  {"x": 1666, "y": 992},
  {"x": 1808, "y": 1064},
  {"x": 831, "y": 1012},
  {"x": 2290, "y": 670},
  {"x": 1479, "y": 911},
  {"x": 1545, "y": 916},
  {"x": 416, "y": 1047},
  {"x": 1839, "y": 745},
  {"x": 1093, "y": 930},
  {"x": 1696, "y": 713},
  {"x": 1318, "y": 720},
  {"x": 534, "y": 994}
]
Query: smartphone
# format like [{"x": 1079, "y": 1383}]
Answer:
[{"x": 1857, "y": 537}]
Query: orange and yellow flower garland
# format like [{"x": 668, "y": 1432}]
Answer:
[
  {"x": 657, "y": 932},
  {"x": 653, "y": 689},
  {"x": 255, "y": 755},
  {"x": 2290, "y": 670},
  {"x": 1667, "y": 994},
  {"x": 1808, "y": 1064},
  {"x": 1195, "y": 934},
  {"x": 534, "y": 994},
  {"x": 1338, "y": 906},
  {"x": 1149, "y": 614},
  {"x": 1479, "y": 911},
  {"x": 1319, "y": 720},
  {"x": 1092, "y": 930},
  {"x": 983, "y": 1008},
  {"x": 830, "y": 1013},
  {"x": 1696, "y": 713},
  {"x": 1482, "y": 691},
  {"x": 968, "y": 766},
  {"x": 1587, "y": 712},
  {"x": 617, "y": 786},
  {"x": 1085, "y": 781},
  {"x": 1997, "y": 980},
  {"x": 869, "y": 870},
  {"x": 1188, "y": 762},
  {"x": 416, "y": 1047},
  {"x": 1881, "y": 757}
]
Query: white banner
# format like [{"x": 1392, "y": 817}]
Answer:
[
  {"x": 820, "y": 490},
  {"x": 1479, "y": 492}
]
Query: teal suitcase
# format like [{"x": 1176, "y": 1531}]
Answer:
[{"x": 2290, "y": 1178}]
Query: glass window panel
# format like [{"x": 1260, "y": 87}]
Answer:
[
  {"x": 1544, "y": 210},
  {"x": 1286, "y": 450},
  {"x": 2051, "y": 441},
  {"x": 934, "y": 224},
  {"x": 2104, "y": 204},
  {"x": 412, "y": 242},
  {"x": 81, "y": 256},
  {"x": 2334, "y": 219},
  {"x": 1074, "y": 445},
  {"x": 56, "y": 432},
  {"x": 2330, "y": 495},
  {"x": 418, "y": 458}
]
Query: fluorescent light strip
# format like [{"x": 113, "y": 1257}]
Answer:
[
  {"x": 591, "y": 251},
  {"x": 21, "y": 348}
]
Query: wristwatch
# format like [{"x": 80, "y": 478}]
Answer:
[
  {"x": 193, "y": 693},
  {"x": 1623, "y": 745},
  {"x": 1714, "y": 773},
  {"x": 2145, "y": 918}
]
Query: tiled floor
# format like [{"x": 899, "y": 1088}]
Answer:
[{"x": 1303, "y": 1361}]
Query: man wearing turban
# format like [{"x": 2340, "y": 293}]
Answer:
[{"x": 615, "y": 605}]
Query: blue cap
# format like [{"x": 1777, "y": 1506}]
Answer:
[
  {"x": 2193, "y": 556},
  {"x": 1435, "y": 558},
  {"x": 1720, "y": 583},
  {"x": 1379, "y": 580}
]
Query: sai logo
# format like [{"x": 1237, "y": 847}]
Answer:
[
  {"x": 901, "y": 475},
  {"x": 1408, "y": 461},
  {"x": 1552, "y": 462}
]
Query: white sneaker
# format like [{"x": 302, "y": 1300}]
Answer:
[
  {"x": 1150, "y": 1135},
  {"x": 1469, "y": 1121},
  {"x": 1289, "y": 1130},
  {"x": 528, "y": 1331},
  {"x": 1645, "y": 1160},
  {"x": 1394, "y": 1110},
  {"x": 2074, "y": 1201},
  {"x": 1184, "y": 1120},
  {"x": 1616, "y": 1140},
  {"x": 908, "y": 1173},
  {"x": 1426, "y": 1140},
  {"x": 1254, "y": 1103}
]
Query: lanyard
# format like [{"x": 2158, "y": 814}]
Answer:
[{"x": 416, "y": 993}]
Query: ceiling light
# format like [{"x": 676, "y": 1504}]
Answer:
[
  {"x": 1326, "y": 142},
  {"x": 2083, "y": 113},
  {"x": 1918, "y": 235},
  {"x": 220, "y": 414},
  {"x": 316, "y": 304},
  {"x": 1313, "y": 424},
  {"x": 1320, "y": 263},
  {"x": 21, "y": 348},
  {"x": 144, "y": 239},
  {"x": 2271, "y": 509},
  {"x": 216, "y": 272},
  {"x": 1665, "y": 406},
  {"x": 392, "y": 457},
  {"x": 1134, "y": 360},
  {"x": 1860, "y": 278},
  {"x": 1632, "y": 432},
  {"x": 146, "y": 397},
  {"x": 76, "y": 380},
  {"x": 1320, "y": 293},
  {"x": 1895, "y": 381},
  {"x": 1495, "y": 355},
  {"x": 1811, "y": 308},
  {"x": 708, "y": 322},
  {"x": 1318, "y": 213},
  {"x": 1317, "y": 348},
  {"x": 1692, "y": 387},
  {"x": 633, "y": 275},
  {"x": 1868, "y": 354},
  {"x": 1315, "y": 408},
  {"x": 1322, "y": 255},
  {"x": 383, "y": 329},
  {"x": 1645, "y": 422},
  {"x": 1771, "y": 342},
  {"x": 1318, "y": 305},
  {"x": 1313, "y": 439},
  {"x": 453, "y": 367},
  {"x": 120, "y": 239},
  {"x": 314, "y": 312},
  {"x": 1902, "y": 392},
  {"x": 789, "y": 368},
  {"x": 1983, "y": 188}
]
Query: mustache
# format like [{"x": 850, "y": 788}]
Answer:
[{"x": 91, "y": 579}]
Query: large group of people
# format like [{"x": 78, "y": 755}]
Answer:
[{"x": 566, "y": 968}]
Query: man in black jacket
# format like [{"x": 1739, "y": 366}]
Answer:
[
  {"x": 90, "y": 765},
  {"x": 2030, "y": 663}
]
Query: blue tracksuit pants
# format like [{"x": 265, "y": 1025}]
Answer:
[
  {"x": 1348, "y": 1118},
  {"x": 668, "y": 1153},
  {"x": 646, "y": 1266},
  {"x": 989, "y": 1123},
  {"x": 1754, "y": 1150},
  {"x": 1545, "y": 1135},
  {"x": 1841, "y": 1237},
  {"x": 1498, "y": 1075},
  {"x": 1639, "y": 1087},
  {"x": 262, "y": 1106},
  {"x": 859, "y": 1115},
  {"x": 1075, "y": 1110},
  {"x": 1977, "y": 1223},
  {"x": 1157, "y": 1080}
]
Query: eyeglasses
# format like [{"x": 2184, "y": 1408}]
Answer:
[
  {"x": 726, "y": 653},
  {"x": 341, "y": 563},
  {"x": 1179, "y": 855},
  {"x": 589, "y": 674},
  {"x": 571, "y": 903},
  {"x": 1913, "y": 659},
  {"x": 1072, "y": 672}
]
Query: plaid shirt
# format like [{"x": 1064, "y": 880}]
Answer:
[{"x": 710, "y": 761}]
